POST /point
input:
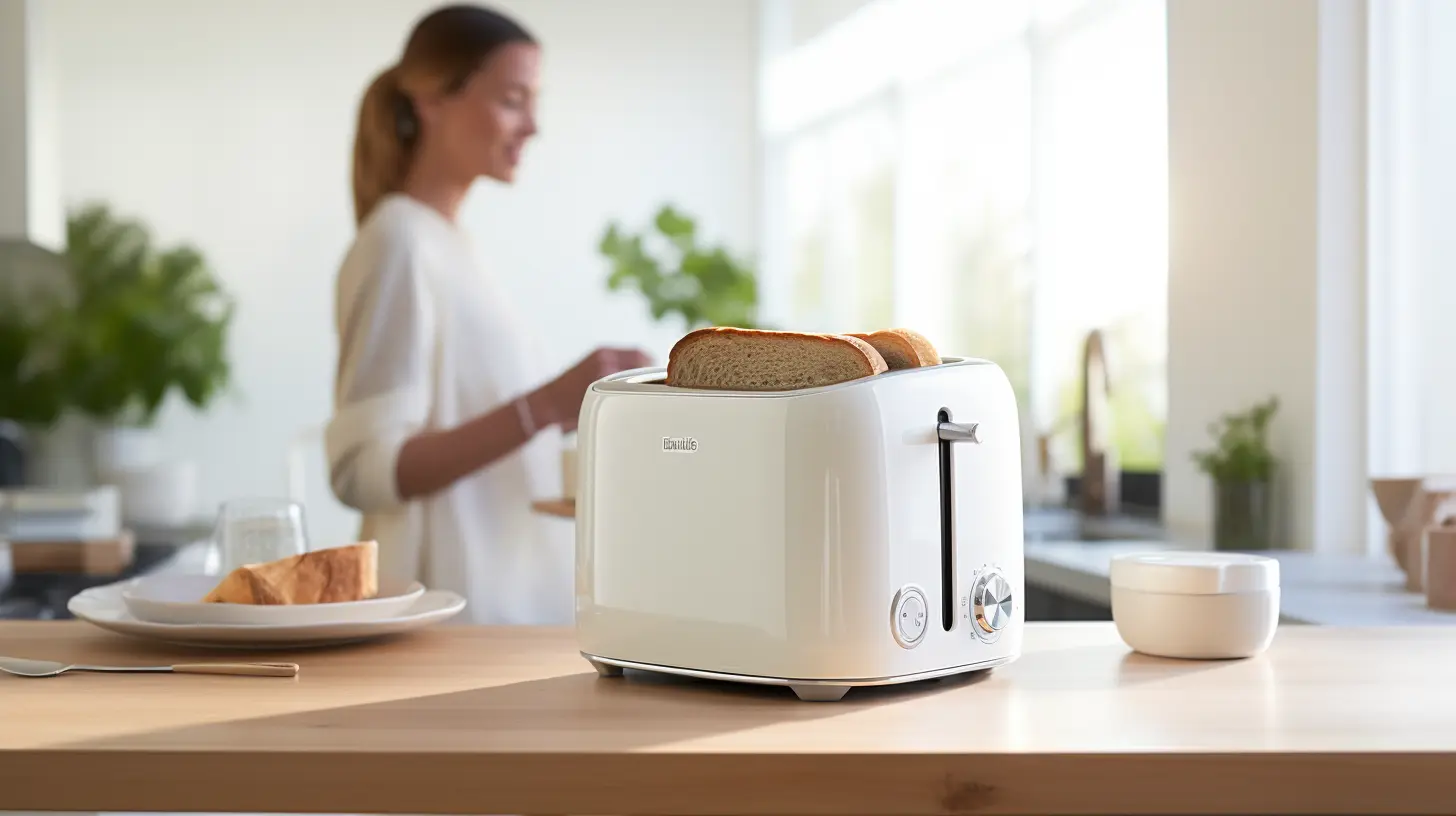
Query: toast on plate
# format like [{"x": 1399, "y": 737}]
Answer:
[{"x": 334, "y": 575}]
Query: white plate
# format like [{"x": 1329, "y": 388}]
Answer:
[
  {"x": 177, "y": 599},
  {"x": 103, "y": 606}
]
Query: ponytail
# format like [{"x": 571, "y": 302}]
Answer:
[
  {"x": 384, "y": 142},
  {"x": 444, "y": 49}
]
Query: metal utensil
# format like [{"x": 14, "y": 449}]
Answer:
[{"x": 48, "y": 668}]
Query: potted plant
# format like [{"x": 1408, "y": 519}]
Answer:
[
  {"x": 31, "y": 395},
  {"x": 142, "y": 324},
  {"x": 32, "y": 392},
  {"x": 704, "y": 286},
  {"x": 1242, "y": 469}
]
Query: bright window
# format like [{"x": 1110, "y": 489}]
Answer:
[{"x": 993, "y": 174}]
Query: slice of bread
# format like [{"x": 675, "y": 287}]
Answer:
[
  {"x": 902, "y": 348},
  {"x": 334, "y": 575},
  {"x": 758, "y": 360}
]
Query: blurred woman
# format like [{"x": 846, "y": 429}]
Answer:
[{"x": 443, "y": 431}]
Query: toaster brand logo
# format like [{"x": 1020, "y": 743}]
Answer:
[{"x": 679, "y": 444}]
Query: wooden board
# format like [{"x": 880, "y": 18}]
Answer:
[
  {"x": 564, "y": 508},
  {"x": 101, "y": 557},
  {"x": 461, "y": 719}
]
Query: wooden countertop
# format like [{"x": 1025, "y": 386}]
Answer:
[{"x": 512, "y": 720}]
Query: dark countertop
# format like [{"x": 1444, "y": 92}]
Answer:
[
  {"x": 43, "y": 596},
  {"x": 1055, "y": 523}
]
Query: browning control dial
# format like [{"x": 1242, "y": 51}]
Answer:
[{"x": 991, "y": 604}]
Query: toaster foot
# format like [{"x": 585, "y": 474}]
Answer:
[
  {"x": 605, "y": 669},
  {"x": 819, "y": 694}
]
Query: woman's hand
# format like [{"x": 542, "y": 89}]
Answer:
[
  {"x": 559, "y": 401},
  {"x": 433, "y": 460}
]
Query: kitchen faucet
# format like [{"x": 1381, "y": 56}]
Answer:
[{"x": 1098, "y": 494}]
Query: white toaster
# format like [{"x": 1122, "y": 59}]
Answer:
[{"x": 863, "y": 533}]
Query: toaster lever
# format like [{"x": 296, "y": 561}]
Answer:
[{"x": 956, "y": 432}]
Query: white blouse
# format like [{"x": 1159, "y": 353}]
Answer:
[{"x": 428, "y": 341}]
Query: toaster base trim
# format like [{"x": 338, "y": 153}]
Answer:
[{"x": 815, "y": 691}]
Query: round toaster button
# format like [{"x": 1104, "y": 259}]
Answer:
[
  {"x": 993, "y": 604},
  {"x": 910, "y": 617}
]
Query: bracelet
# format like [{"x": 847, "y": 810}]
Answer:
[{"x": 528, "y": 422}]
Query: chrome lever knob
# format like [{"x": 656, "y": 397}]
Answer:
[{"x": 956, "y": 432}]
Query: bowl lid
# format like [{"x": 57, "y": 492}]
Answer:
[{"x": 1195, "y": 573}]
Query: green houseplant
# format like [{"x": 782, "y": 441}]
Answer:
[
  {"x": 1242, "y": 467},
  {"x": 704, "y": 286},
  {"x": 142, "y": 323},
  {"x": 32, "y": 393}
]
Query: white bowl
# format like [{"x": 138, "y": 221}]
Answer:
[
  {"x": 178, "y": 599},
  {"x": 1196, "y": 605}
]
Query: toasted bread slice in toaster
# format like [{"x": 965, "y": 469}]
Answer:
[
  {"x": 734, "y": 359},
  {"x": 902, "y": 348},
  {"x": 334, "y": 575}
]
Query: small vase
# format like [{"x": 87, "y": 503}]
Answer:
[
  {"x": 123, "y": 448},
  {"x": 1242, "y": 516},
  {"x": 60, "y": 457},
  {"x": 156, "y": 490},
  {"x": 163, "y": 495}
]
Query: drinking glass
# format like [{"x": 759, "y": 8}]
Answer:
[{"x": 251, "y": 531}]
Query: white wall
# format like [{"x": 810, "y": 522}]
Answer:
[
  {"x": 1266, "y": 274},
  {"x": 14, "y": 113},
  {"x": 810, "y": 18},
  {"x": 229, "y": 125},
  {"x": 29, "y": 173}
]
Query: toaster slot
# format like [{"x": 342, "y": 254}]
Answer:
[{"x": 947, "y": 525}]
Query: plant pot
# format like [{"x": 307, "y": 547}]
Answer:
[
  {"x": 14, "y": 444},
  {"x": 1242, "y": 515},
  {"x": 164, "y": 495},
  {"x": 60, "y": 457},
  {"x": 124, "y": 448},
  {"x": 154, "y": 491}
]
